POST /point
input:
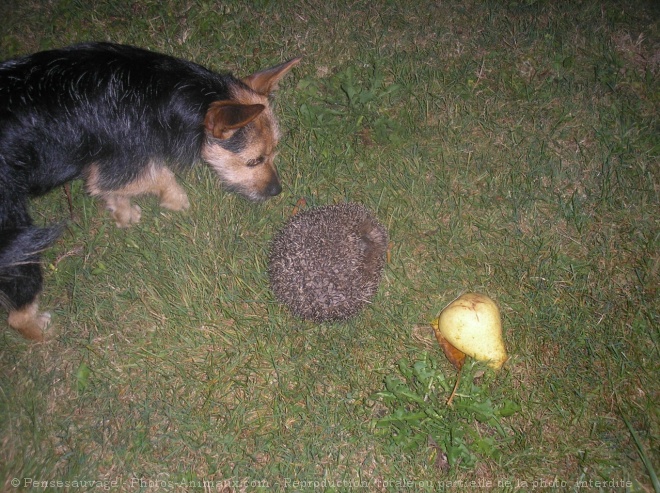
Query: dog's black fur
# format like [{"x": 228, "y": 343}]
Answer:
[{"x": 116, "y": 115}]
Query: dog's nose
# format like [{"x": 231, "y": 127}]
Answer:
[{"x": 274, "y": 189}]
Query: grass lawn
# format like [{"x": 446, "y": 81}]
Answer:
[{"x": 509, "y": 147}]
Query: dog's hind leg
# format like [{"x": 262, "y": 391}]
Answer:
[
  {"x": 24, "y": 316},
  {"x": 30, "y": 322},
  {"x": 21, "y": 278}
]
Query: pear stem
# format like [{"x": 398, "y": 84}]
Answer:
[{"x": 453, "y": 392}]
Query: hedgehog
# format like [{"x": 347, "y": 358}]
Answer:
[{"x": 326, "y": 263}]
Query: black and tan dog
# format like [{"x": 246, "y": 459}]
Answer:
[{"x": 122, "y": 119}]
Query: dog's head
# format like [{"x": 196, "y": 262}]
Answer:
[{"x": 242, "y": 135}]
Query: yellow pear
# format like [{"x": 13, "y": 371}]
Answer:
[{"x": 471, "y": 323}]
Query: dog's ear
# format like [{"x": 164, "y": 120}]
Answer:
[
  {"x": 265, "y": 82},
  {"x": 224, "y": 117}
]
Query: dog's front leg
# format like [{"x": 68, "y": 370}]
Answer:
[
  {"x": 172, "y": 195},
  {"x": 155, "y": 180},
  {"x": 122, "y": 211}
]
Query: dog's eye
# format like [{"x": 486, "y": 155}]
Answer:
[{"x": 256, "y": 162}]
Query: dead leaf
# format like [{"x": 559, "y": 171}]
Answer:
[
  {"x": 439, "y": 457},
  {"x": 299, "y": 205}
]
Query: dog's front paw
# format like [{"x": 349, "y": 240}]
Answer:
[
  {"x": 122, "y": 211},
  {"x": 31, "y": 323},
  {"x": 175, "y": 199},
  {"x": 126, "y": 216}
]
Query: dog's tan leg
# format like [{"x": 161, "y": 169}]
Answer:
[
  {"x": 122, "y": 211},
  {"x": 29, "y": 322},
  {"x": 172, "y": 195},
  {"x": 156, "y": 180}
]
